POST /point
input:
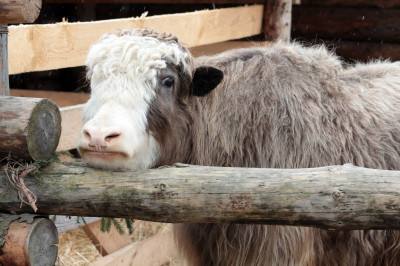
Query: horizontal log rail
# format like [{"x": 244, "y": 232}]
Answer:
[{"x": 334, "y": 197}]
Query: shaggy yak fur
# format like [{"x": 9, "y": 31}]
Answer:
[{"x": 281, "y": 106}]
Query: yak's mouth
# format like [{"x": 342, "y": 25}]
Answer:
[{"x": 103, "y": 155}]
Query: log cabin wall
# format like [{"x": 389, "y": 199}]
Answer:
[{"x": 358, "y": 30}]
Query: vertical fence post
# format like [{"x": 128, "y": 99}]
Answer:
[
  {"x": 4, "y": 79},
  {"x": 277, "y": 20}
]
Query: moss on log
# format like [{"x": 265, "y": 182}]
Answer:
[
  {"x": 30, "y": 128},
  {"x": 334, "y": 197}
]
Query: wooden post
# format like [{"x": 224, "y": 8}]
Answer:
[
  {"x": 28, "y": 242},
  {"x": 30, "y": 128},
  {"x": 17, "y": 11},
  {"x": 4, "y": 80},
  {"x": 277, "y": 20}
]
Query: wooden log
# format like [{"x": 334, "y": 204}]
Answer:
[
  {"x": 30, "y": 128},
  {"x": 370, "y": 3},
  {"x": 334, "y": 197},
  {"x": 277, "y": 20},
  {"x": 106, "y": 242},
  {"x": 155, "y": 250},
  {"x": 53, "y": 46},
  {"x": 31, "y": 241},
  {"x": 4, "y": 78},
  {"x": 359, "y": 24},
  {"x": 19, "y": 11}
]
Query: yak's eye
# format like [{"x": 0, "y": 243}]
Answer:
[{"x": 168, "y": 82}]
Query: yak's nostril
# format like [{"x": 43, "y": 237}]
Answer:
[
  {"x": 87, "y": 135},
  {"x": 112, "y": 136}
]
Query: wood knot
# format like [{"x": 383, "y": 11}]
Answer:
[{"x": 337, "y": 195}]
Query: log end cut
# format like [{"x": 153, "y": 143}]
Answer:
[
  {"x": 30, "y": 244},
  {"x": 44, "y": 130},
  {"x": 19, "y": 11}
]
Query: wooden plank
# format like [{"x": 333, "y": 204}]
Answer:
[
  {"x": 65, "y": 223},
  {"x": 61, "y": 98},
  {"x": 334, "y": 197},
  {"x": 106, "y": 242},
  {"x": 71, "y": 124},
  {"x": 155, "y": 250},
  {"x": 19, "y": 11},
  {"x": 277, "y": 20},
  {"x": 215, "y": 48},
  {"x": 53, "y": 46},
  {"x": 346, "y": 23},
  {"x": 371, "y": 3}
]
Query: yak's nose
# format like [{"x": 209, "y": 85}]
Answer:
[{"x": 100, "y": 140}]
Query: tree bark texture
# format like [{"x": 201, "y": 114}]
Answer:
[
  {"x": 277, "y": 20},
  {"x": 29, "y": 240},
  {"x": 357, "y": 24},
  {"x": 334, "y": 197},
  {"x": 30, "y": 128},
  {"x": 19, "y": 11}
]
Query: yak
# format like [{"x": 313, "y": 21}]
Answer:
[{"x": 275, "y": 106}]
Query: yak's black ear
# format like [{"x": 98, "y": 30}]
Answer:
[{"x": 205, "y": 79}]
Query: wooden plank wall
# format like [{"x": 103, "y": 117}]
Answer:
[{"x": 359, "y": 30}]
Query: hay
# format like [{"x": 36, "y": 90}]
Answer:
[{"x": 76, "y": 249}]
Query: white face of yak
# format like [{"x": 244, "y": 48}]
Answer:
[{"x": 124, "y": 74}]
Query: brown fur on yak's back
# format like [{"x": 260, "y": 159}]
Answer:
[{"x": 287, "y": 106}]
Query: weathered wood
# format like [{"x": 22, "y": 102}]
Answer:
[
  {"x": 61, "y": 98},
  {"x": 360, "y": 51},
  {"x": 19, "y": 11},
  {"x": 4, "y": 78},
  {"x": 71, "y": 126},
  {"x": 53, "y": 46},
  {"x": 277, "y": 20},
  {"x": 346, "y": 23},
  {"x": 155, "y": 250},
  {"x": 335, "y": 197},
  {"x": 30, "y": 128},
  {"x": 371, "y": 3},
  {"x": 106, "y": 242},
  {"x": 28, "y": 242}
]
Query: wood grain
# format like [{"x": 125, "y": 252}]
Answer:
[
  {"x": 70, "y": 127},
  {"x": 106, "y": 242},
  {"x": 32, "y": 243},
  {"x": 53, "y": 46},
  {"x": 334, "y": 197},
  {"x": 278, "y": 20},
  {"x": 357, "y": 24},
  {"x": 155, "y": 250},
  {"x": 30, "y": 128},
  {"x": 19, "y": 11}
]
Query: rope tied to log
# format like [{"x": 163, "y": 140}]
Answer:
[{"x": 15, "y": 173}]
